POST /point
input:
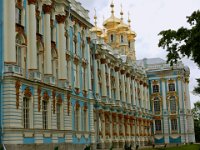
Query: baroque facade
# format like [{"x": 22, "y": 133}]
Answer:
[{"x": 66, "y": 83}]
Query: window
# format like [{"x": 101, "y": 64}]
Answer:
[
  {"x": 85, "y": 125},
  {"x": 129, "y": 44},
  {"x": 45, "y": 114},
  {"x": 173, "y": 104},
  {"x": 67, "y": 41},
  {"x": 77, "y": 117},
  {"x": 40, "y": 58},
  {"x": 75, "y": 75},
  {"x": 171, "y": 87},
  {"x": 54, "y": 63},
  {"x": 111, "y": 38},
  {"x": 52, "y": 29},
  {"x": 19, "y": 45},
  {"x": 37, "y": 25},
  {"x": 155, "y": 88},
  {"x": 158, "y": 125},
  {"x": 83, "y": 51},
  {"x": 174, "y": 124},
  {"x": 26, "y": 109},
  {"x": 18, "y": 15},
  {"x": 156, "y": 105},
  {"x": 58, "y": 110},
  {"x": 122, "y": 38},
  {"x": 84, "y": 78}
]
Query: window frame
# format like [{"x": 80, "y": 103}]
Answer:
[
  {"x": 45, "y": 120},
  {"x": 26, "y": 112}
]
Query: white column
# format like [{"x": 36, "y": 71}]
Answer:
[
  {"x": 141, "y": 94},
  {"x": 103, "y": 76},
  {"x": 9, "y": 31},
  {"x": 109, "y": 83},
  {"x": 123, "y": 88},
  {"x": 163, "y": 94},
  {"x": 128, "y": 90},
  {"x": 96, "y": 80},
  {"x": 180, "y": 93},
  {"x": 88, "y": 67},
  {"x": 61, "y": 47},
  {"x": 32, "y": 49},
  {"x": 47, "y": 40},
  {"x": 117, "y": 84},
  {"x": 133, "y": 91}
]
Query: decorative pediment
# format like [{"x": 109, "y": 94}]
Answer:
[
  {"x": 59, "y": 99},
  {"x": 45, "y": 96},
  {"x": 27, "y": 92}
]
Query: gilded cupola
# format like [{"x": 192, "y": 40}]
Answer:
[{"x": 112, "y": 21}]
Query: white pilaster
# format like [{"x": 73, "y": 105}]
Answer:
[
  {"x": 61, "y": 47},
  {"x": 47, "y": 40},
  {"x": 9, "y": 31},
  {"x": 32, "y": 49},
  {"x": 117, "y": 85}
]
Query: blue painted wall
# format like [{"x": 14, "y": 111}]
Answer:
[
  {"x": 29, "y": 140},
  {"x": 174, "y": 140},
  {"x": 159, "y": 141}
]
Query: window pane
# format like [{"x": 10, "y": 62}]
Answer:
[
  {"x": 171, "y": 87},
  {"x": 155, "y": 88},
  {"x": 26, "y": 112},
  {"x": 158, "y": 125}
]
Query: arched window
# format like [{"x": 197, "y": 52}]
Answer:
[
  {"x": 155, "y": 88},
  {"x": 156, "y": 105},
  {"x": 19, "y": 42},
  {"x": 111, "y": 38},
  {"x": 129, "y": 44},
  {"x": 158, "y": 126},
  {"x": 26, "y": 112},
  {"x": 58, "y": 114},
  {"x": 18, "y": 15},
  {"x": 85, "y": 119},
  {"x": 171, "y": 87},
  {"x": 40, "y": 57},
  {"x": 21, "y": 53},
  {"x": 122, "y": 38},
  {"x": 77, "y": 117},
  {"x": 54, "y": 61},
  {"x": 172, "y": 104},
  {"x": 173, "y": 124},
  {"x": 45, "y": 114}
]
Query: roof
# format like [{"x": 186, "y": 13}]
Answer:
[{"x": 150, "y": 61}]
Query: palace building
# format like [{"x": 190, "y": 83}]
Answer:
[{"x": 65, "y": 83}]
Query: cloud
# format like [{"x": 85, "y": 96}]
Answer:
[{"x": 148, "y": 18}]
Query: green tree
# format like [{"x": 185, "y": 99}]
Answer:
[
  {"x": 196, "y": 114},
  {"x": 183, "y": 42}
]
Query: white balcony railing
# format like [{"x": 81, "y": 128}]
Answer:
[{"x": 13, "y": 69}]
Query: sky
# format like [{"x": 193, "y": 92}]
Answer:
[{"x": 148, "y": 18}]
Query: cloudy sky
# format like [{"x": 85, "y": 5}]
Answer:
[{"x": 148, "y": 18}]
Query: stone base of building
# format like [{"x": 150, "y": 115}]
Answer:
[{"x": 51, "y": 146}]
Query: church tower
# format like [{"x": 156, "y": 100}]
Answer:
[{"x": 119, "y": 35}]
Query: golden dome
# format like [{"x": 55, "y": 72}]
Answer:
[
  {"x": 122, "y": 25},
  {"x": 112, "y": 19},
  {"x": 130, "y": 32},
  {"x": 96, "y": 29}
]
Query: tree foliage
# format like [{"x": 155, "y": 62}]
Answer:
[
  {"x": 196, "y": 114},
  {"x": 183, "y": 42}
]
